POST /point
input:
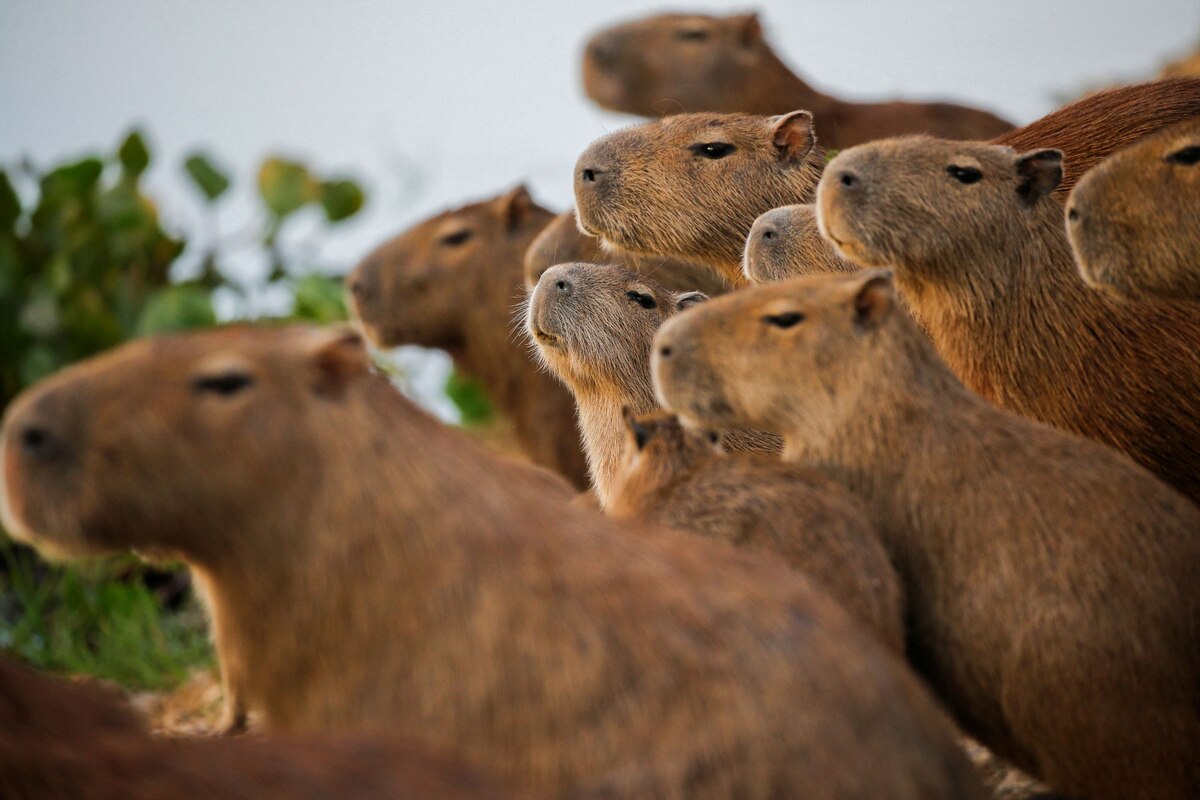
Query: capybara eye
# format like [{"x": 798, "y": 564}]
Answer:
[
  {"x": 714, "y": 437},
  {"x": 225, "y": 384},
  {"x": 1188, "y": 156},
  {"x": 713, "y": 150},
  {"x": 456, "y": 238},
  {"x": 691, "y": 35},
  {"x": 964, "y": 174},
  {"x": 643, "y": 300},
  {"x": 784, "y": 320}
]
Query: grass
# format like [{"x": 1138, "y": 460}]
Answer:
[{"x": 99, "y": 619}]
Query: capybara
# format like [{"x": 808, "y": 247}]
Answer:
[
  {"x": 370, "y": 569},
  {"x": 452, "y": 282},
  {"x": 786, "y": 243},
  {"x": 592, "y": 325},
  {"x": 1050, "y": 581},
  {"x": 683, "y": 479},
  {"x": 673, "y": 63},
  {"x": 1134, "y": 221},
  {"x": 982, "y": 260}
]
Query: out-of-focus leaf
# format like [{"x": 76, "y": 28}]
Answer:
[
  {"x": 341, "y": 199},
  {"x": 470, "y": 398},
  {"x": 10, "y": 204},
  {"x": 286, "y": 186},
  {"x": 320, "y": 299},
  {"x": 71, "y": 180},
  {"x": 37, "y": 362},
  {"x": 134, "y": 154},
  {"x": 176, "y": 308},
  {"x": 211, "y": 181}
]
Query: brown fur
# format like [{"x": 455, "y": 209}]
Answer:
[
  {"x": 425, "y": 589},
  {"x": 672, "y": 63},
  {"x": 1134, "y": 221},
  {"x": 785, "y": 243},
  {"x": 987, "y": 270},
  {"x": 595, "y": 337},
  {"x": 425, "y": 287},
  {"x": 62, "y": 740},
  {"x": 1051, "y": 581},
  {"x": 683, "y": 479},
  {"x": 1186, "y": 67},
  {"x": 561, "y": 242}
]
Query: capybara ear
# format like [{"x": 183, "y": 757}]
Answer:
[
  {"x": 339, "y": 355},
  {"x": 874, "y": 297},
  {"x": 514, "y": 206},
  {"x": 793, "y": 136},
  {"x": 688, "y": 299},
  {"x": 749, "y": 29},
  {"x": 1040, "y": 171}
]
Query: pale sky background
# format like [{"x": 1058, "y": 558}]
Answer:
[{"x": 473, "y": 96}]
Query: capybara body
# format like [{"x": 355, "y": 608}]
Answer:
[
  {"x": 673, "y": 63},
  {"x": 982, "y": 260},
  {"x": 684, "y": 480},
  {"x": 1134, "y": 221},
  {"x": 1050, "y": 580},
  {"x": 592, "y": 325},
  {"x": 368, "y": 568},
  {"x": 786, "y": 243},
  {"x": 452, "y": 282}
]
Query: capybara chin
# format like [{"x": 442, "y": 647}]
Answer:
[
  {"x": 451, "y": 282},
  {"x": 786, "y": 243},
  {"x": 638, "y": 188},
  {"x": 983, "y": 262},
  {"x": 369, "y": 569},
  {"x": 1051, "y": 582},
  {"x": 672, "y": 63},
  {"x": 1134, "y": 221}
]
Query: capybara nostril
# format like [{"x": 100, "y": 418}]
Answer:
[
  {"x": 1072, "y": 214},
  {"x": 357, "y": 287},
  {"x": 36, "y": 441},
  {"x": 848, "y": 179},
  {"x": 665, "y": 351},
  {"x": 769, "y": 233},
  {"x": 563, "y": 285},
  {"x": 589, "y": 175},
  {"x": 602, "y": 53}
]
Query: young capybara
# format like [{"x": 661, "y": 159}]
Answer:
[
  {"x": 683, "y": 479},
  {"x": 786, "y": 243},
  {"x": 983, "y": 262},
  {"x": 370, "y": 569},
  {"x": 1050, "y": 581},
  {"x": 561, "y": 242},
  {"x": 672, "y": 63},
  {"x": 592, "y": 325},
  {"x": 60, "y": 740},
  {"x": 452, "y": 282},
  {"x": 1134, "y": 221}
]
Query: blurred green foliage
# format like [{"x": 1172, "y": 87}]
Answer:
[{"x": 471, "y": 399}]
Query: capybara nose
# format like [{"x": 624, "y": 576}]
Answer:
[
  {"x": 37, "y": 442},
  {"x": 1073, "y": 214},
  {"x": 768, "y": 232},
  {"x": 590, "y": 174},
  {"x": 360, "y": 283},
  {"x": 848, "y": 179},
  {"x": 666, "y": 351},
  {"x": 602, "y": 52}
]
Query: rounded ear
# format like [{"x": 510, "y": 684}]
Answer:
[
  {"x": 873, "y": 298},
  {"x": 685, "y": 300},
  {"x": 749, "y": 29},
  {"x": 339, "y": 355},
  {"x": 793, "y": 136},
  {"x": 514, "y": 206},
  {"x": 1040, "y": 172}
]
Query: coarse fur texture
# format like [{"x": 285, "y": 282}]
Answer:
[
  {"x": 1134, "y": 221},
  {"x": 592, "y": 325},
  {"x": 425, "y": 588},
  {"x": 673, "y": 63},
  {"x": 452, "y": 282},
  {"x": 983, "y": 262},
  {"x": 786, "y": 243},
  {"x": 683, "y": 479},
  {"x": 1050, "y": 581}
]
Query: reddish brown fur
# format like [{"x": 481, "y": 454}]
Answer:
[
  {"x": 659, "y": 66},
  {"x": 684, "y": 480},
  {"x": 369, "y": 568},
  {"x": 1051, "y": 582},
  {"x": 424, "y": 287}
]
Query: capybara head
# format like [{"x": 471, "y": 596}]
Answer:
[
  {"x": 411, "y": 289},
  {"x": 1134, "y": 221},
  {"x": 931, "y": 203},
  {"x": 85, "y": 474},
  {"x": 786, "y": 243},
  {"x": 764, "y": 356},
  {"x": 673, "y": 63},
  {"x": 659, "y": 439},
  {"x": 561, "y": 242},
  {"x": 690, "y": 186},
  {"x": 593, "y": 324}
]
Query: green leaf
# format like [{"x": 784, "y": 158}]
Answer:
[
  {"x": 470, "y": 398},
  {"x": 320, "y": 299},
  {"x": 341, "y": 199},
  {"x": 286, "y": 186},
  {"x": 73, "y": 181},
  {"x": 208, "y": 179},
  {"x": 134, "y": 154},
  {"x": 10, "y": 204},
  {"x": 176, "y": 308}
]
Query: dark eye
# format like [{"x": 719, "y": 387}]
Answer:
[
  {"x": 691, "y": 35},
  {"x": 1188, "y": 156},
  {"x": 643, "y": 300},
  {"x": 713, "y": 150},
  {"x": 964, "y": 174},
  {"x": 225, "y": 384},
  {"x": 784, "y": 320},
  {"x": 456, "y": 238}
]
